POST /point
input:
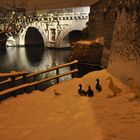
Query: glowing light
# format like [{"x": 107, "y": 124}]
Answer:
[{"x": 13, "y": 12}]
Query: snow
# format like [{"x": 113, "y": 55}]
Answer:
[
  {"x": 45, "y": 116},
  {"x": 99, "y": 40},
  {"x": 124, "y": 69}
]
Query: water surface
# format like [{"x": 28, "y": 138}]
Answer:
[{"x": 33, "y": 59}]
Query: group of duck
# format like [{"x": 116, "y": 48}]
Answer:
[
  {"x": 115, "y": 90},
  {"x": 90, "y": 92}
]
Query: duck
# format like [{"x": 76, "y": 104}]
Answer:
[
  {"x": 81, "y": 91},
  {"x": 90, "y": 92},
  {"x": 98, "y": 86},
  {"x": 56, "y": 93},
  {"x": 134, "y": 88},
  {"x": 115, "y": 89}
]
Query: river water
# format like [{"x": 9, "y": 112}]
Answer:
[{"x": 33, "y": 59}]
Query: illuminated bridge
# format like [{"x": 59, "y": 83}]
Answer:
[{"x": 50, "y": 27}]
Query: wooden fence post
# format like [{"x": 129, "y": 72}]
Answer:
[
  {"x": 57, "y": 73},
  {"x": 13, "y": 84},
  {"x": 36, "y": 87},
  {"x": 24, "y": 81},
  {"x": 75, "y": 66},
  {"x": 35, "y": 77}
]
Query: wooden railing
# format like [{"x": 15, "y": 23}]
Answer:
[
  {"x": 12, "y": 76},
  {"x": 54, "y": 68},
  {"x": 35, "y": 83}
]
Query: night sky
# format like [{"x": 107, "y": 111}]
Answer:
[{"x": 47, "y": 4}]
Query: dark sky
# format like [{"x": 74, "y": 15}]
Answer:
[{"x": 43, "y": 4}]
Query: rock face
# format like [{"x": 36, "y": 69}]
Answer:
[
  {"x": 126, "y": 36},
  {"x": 118, "y": 22},
  {"x": 125, "y": 46},
  {"x": 88, "y": 53},
  {"x": 102, "y": 20}
]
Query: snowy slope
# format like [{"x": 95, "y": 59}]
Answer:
[{"x": 45, "y": 116}]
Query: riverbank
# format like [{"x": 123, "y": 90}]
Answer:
[{"x": 43, "y": 115}]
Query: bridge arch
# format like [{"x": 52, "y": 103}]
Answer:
[
  {"x": 33, "y": 37},
  {"x": 71, "y": 37},
  {"x": 75, "y": 35},
  {"x": 74, "y": 26},
  {"x": 33, "y": 34},
  {"x": 53, "y": 34}
]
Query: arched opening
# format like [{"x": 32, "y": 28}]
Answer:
[
  {"x": 33, "y": 37},
  {"x": 65, "y": 42},
  {"x": 74, "y": 36}
]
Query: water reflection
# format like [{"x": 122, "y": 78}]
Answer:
[
  {"x": 3, "y": 51},
  {"x": 34, "y": 54},
  {"x": 33, "y": 59}
]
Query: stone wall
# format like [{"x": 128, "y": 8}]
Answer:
[
  {"x": 87, "y": 53},
  {"x": 102, "y": 19},
  {"x": 125, "y": 46},
  {"x": 118, "y": 22}
]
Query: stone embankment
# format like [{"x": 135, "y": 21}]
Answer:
[
  {"x": 118, "y": 23},
  {"x": 87, "y": 52}
]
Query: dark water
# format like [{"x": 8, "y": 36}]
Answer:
[{"x": 33, "y": 59}]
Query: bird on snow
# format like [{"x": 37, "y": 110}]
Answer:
[
  {"x": 56, "y": 93},
  {"x": 98, "y": 86},
  {"x": 81, "y": 91},
  {"x": 90, "y": 92},
  {"x": 134, "y": 88},
  {"x": 115, "y": 90}
]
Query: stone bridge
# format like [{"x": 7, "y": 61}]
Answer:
[{"x": 52, "y": 29}]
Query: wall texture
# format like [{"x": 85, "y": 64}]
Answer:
[
  {"x": 102, "y": 20},
  {"x": 87, "y": 53},
  {"x": 101, "y": 25},
  {"x": 125, "y": 46},
  {"x": 118, "y": 22}
]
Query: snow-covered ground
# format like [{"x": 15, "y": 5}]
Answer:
[{"x": 45, "y": 116}]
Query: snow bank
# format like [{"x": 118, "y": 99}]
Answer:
[
  {"x": 45, "y": 116},
  {"x": 99, "y": 40}
]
